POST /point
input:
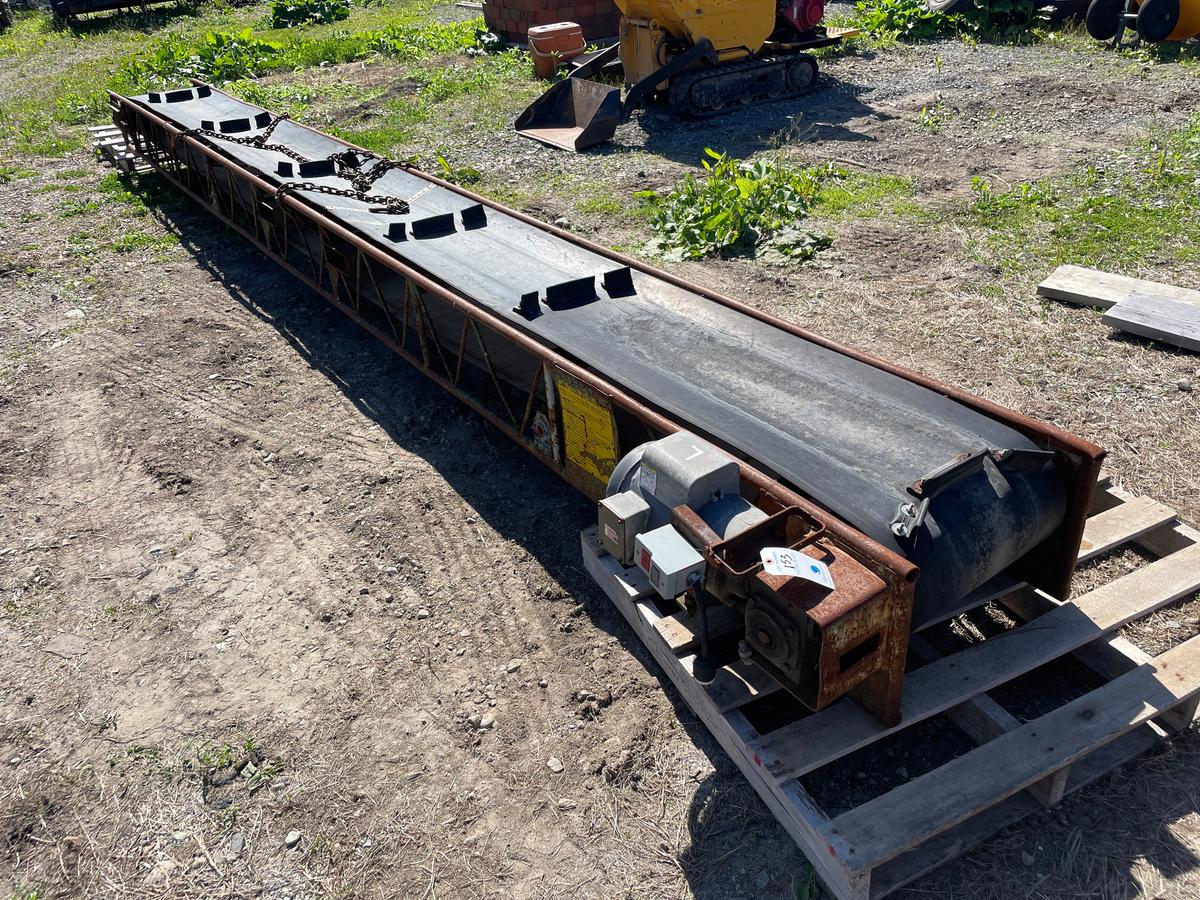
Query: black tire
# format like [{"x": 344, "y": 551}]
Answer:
[
  {"x": 1156, "y": 19},
  {"x": 950, "y": 6},
  {"x": 802, "y": 74},
  {"x": 1104, "y": 18}
]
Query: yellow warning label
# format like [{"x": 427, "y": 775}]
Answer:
[{"x": 589, "y": 436}]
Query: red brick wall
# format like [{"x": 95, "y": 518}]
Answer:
[{"x": 511, "y": 18}]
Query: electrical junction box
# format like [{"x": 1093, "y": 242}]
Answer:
[
  {"x": 668, "y": 560},
  {"x": 623, "y": 516}
]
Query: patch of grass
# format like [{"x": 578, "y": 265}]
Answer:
[
  {"x": 865, "y": 194},
  {"x": 737, "y": 207},
  {"x": 78, "y": 208},
  {"x": 600, "y": 206},
  {"x": 1105, "y": 218},
  {"x": 139, "y": 240},
  {"x": 477, "y": 89},
  {"x": 58, "y": 76},
  {"x": 9, "y": 173}
]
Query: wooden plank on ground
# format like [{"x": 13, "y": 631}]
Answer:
[
  {"x": 1115, "y": 526},
  {"x": 887, "y": 826},
  {"x": 1089, "y": 287},
  {"x": 845, "y": 726},
  {"x": 1173, "y": 322}
]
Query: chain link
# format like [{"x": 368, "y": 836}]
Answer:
[
  {"x": 346, "y": 165},
  {"x": 388, "y": 204}
]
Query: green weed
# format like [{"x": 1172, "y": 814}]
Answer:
[
  {"x": 420, "y": 41},
  {"x": 932, "y": 116},
  {"x": 913, "y": 21},
  {"x": 806, "y": 886},
  {"x": 78, "y": 208},
  {"x": 457, "y": 174},
  {"x": 221, "y": 56},
  {"x": 8, "y": 173},
  {"x": 908, "y": 20},
  {"x": 737, "y": 207},
  {"x": 293, "y": 13}
]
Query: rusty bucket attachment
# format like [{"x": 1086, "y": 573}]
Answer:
[{"x": 574, "y": 114}]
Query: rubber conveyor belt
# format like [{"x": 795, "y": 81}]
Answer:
[{"x": 847, "y": 434}]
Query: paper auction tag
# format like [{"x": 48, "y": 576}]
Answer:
[{"x": 782, "y": 561}]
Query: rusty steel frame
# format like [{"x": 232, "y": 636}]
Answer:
[{"x": 877, "y": 686}]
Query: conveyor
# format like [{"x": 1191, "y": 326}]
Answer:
[{"x": 601, "y": 353}]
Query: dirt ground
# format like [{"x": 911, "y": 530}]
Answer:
[{"x": 281, "y": 619}]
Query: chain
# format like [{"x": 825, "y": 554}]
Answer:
[
  {"x": 387, "y": 204},
  {"x": 342, "y": 167},
  {"x": 258, "y": 141},
  {"x": 352, "y": 171}
]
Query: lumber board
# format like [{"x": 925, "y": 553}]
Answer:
[
  {"x": 982, "y": 719},
  {"x": 679, "y": 629},
  {"x": 1109, "y": 658},
  {"x": 974, "y": 831},
  {"x": 1126, "y": 522},
  {"x": 1168, "y": 321},
  {"x": 885, "y": 827},
  {"x": 1091, "y": 287},
  {"x": 789, "y": 803},
  {"x": 845, "y": 726}
]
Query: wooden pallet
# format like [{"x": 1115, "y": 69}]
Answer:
[
  {"x": 1016, "y": 768},
  {"x": 110, "y": 147}
]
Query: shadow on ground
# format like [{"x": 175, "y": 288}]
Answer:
[
  {"x": 525, "y": 503},
  {"x": 135, "y": 17},
  {"x": 826, "y": 114}
]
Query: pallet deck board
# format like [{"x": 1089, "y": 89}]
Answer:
[
  {"x": 1120, "y": 524},
  {"x": 883, "y": 828},
  {"x": 1091, "y": 287},
  {"x": 982, "y": 719},
  {"x": 679, "y": 629},
  {"x": 947, "y": 845},
  {"x": 839, "y": 729},
  {"x": 1017, "y": 767}
]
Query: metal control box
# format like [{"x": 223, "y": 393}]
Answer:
[
  {"x": 623, "y": 516},
  {"x": 668, "y": 560}
]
